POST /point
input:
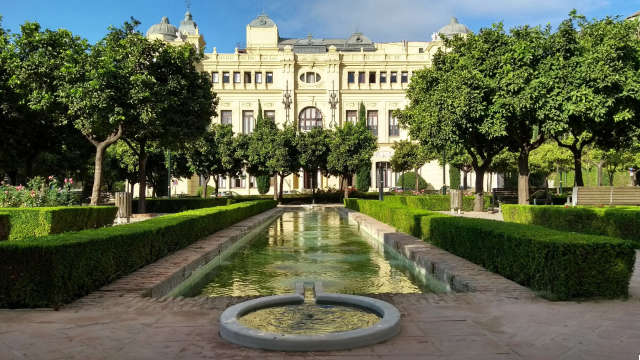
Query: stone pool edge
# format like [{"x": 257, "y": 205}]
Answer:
[{"x": 460, "y": 274}]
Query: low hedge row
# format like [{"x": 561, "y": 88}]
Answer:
[
  {"x": 616, "y": 222},
  {"x": 560, "y": 264},
  {"x": 307, "y": 198},
  {"x": 176, "y": 205},
  {"x": 5, "y": 226},
  {"x": 28, "y": 222},
  {"x": 57, "y": 269},
  {"x": 436, "y": 202}
]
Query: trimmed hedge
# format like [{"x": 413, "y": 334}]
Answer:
[
  {"x": 57, "y": 269},
  {"x": 29, "y": 222},
  {"x": 618, "y": 222},
  {"x": 172, "y": 206},
  {"x": 559, "y": 264},
  {"x": 307, "y": 198},
  {"x": 436, "y": 202},
  {"x": 5, "y": 226}
]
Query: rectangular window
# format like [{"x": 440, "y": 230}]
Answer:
[
  {"x": 271, "y": 114},
  {"x": 394, "y": 77},
  {"x": 252, "y": 182},
  {"x": 259, "y": 78},
  {"x": 386, "y": 174},
  {"x": 225, "y": 77},
  {"x": 351, "y": 78},
  {"x": 236, "y": 77},
  {"x": 394, "y": 130},
  {"x": 247, "y": 122},
  {"x": 383, "y": 77},
  {"x": 372, "y": 78},
  {"x": 421, "y": 50},
  {"x": 237, "y": 182},
  {"x": 225, "y": 117},
  {"x": 361, "y": 78},
  {"x": 269, "y": 78},
  {"x": 372, "y": 121},
  {"x": 214, "y": 77},
  {"x": 247, "y": 78},
  {"x": 405, "y": 77},
  {"x": 352, "y": 116},
  {"x": 222, "y": 182}
]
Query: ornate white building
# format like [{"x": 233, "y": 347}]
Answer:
[{"x": 325, "y": 80}]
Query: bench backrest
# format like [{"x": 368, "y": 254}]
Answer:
[{"x": 628, "y": 195}]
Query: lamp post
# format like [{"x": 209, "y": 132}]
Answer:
[
  {"x": 169, "y": 170},
  {"x": 333, "y": 102},
  {"x": 286, "y": 100},
  {"x": 444, "y": 173},
  {"x": 381, "y": 176}
]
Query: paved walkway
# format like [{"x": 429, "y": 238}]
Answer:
[{"x": 434, "y": 326}]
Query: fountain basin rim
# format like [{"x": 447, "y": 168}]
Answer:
[{"x": 234, "y": 332}]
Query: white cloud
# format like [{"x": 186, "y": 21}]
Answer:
[{"x": 385, "y": 21}]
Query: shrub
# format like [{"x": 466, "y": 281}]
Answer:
[
  {"x": 57, "y": 269},
  {"x": 39, "y": 192},
  {"x": 363, "y": 177},
  {"x": 564, "y": 265},
  {"x": 171, "y": 206},
  {"x": 210, "y": 191},
  {"x": 454, "y": 177},
  {"x": 409, "y": 179},
  {"x": 5, "y": 226},
  {"x": 616, "y": 222},
  {"x": 28, "y": 222},
  {"x": 436, "y": 202},
  {"x": 263, "y": 184}
]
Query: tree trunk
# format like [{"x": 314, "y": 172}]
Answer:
[
  {"x": 464, "y": 180},
  {"x": 97, "y": 175},
  {"x": 523, "y": 177},
  {"x": 275, "y": 187},
  {"x": 599, "y": 165},
  {"x": 205, "y": 184},
  {"x": 478, "y": 204},
  {"x": 346, "y": 187},
  {"x": 142, "y": 180},
  {"x": 490, "y": 181},
  {"x": 216, "y": 179},
  {"x": 417, "y": 182},
  {"x": 281, "y": 188},
  {"x": 577, "y": 163}
]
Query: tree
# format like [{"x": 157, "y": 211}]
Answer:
[
  {"x": 264, "y": 183},
  {"x": 174, "y": 100},
  {"x": 285, "y": 160},
  {"x": 351, "y": 145},
  {"x": 34, "y": 65},
  {"x": 261, "y": 147},
  {"x": 407, "y": 156},
  {"x": 452, "y": 103},
  {"x": 549, "y": 158},
  {"x": 461, "y": 161},
  {"x": 216, "y": 154},
  {"x": 313, "y": 147}
]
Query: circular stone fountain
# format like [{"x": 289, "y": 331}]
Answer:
[{"x": 288, "y": 323}]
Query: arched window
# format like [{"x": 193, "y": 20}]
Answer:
[{"x": 310, "y": 117}]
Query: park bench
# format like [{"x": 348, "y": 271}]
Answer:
[
  {"x": 620, "y": 196},
  {"x": 504, "y": 196}
]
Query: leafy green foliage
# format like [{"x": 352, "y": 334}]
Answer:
[
  {"x": 5, "y": 226},
  {"x": 38, "y": 193},
  {"x": 409, "y": 180},
  {"x": 172, "y": 206},
  {"x": 454, "y": 177},
  {"x": 564, "y": 265},
  {"x": 210, "y": 190},
  {"x": 363, "y": 177},
  {"x": 615, "y": 222},
  {"x": 263, "y": 184},
  {"x": 43, "y": 221},
  {"x": 57, "y": 269},
  {"x": 436, "y": 202}
]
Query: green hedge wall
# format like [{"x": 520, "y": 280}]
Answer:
[
  {"x": 5, "y": 226},
  {"x": 435, "y": 202},
  {"x": 172, "y": 206},
  {"x": 28, "y": 222},
  {"x": 559, "y": 264},
  {"x": 57, "y": 269},
  {"x": 616, "y": 222}
]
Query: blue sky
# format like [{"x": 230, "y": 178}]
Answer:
[{"x": 223, "y": 23}]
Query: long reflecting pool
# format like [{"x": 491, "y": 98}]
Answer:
[{"x": 314, "y": 245}]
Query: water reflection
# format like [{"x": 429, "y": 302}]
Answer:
[{"x": 308, "y": 246}]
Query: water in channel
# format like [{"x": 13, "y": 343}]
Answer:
[{"x": 314, "y": 245}]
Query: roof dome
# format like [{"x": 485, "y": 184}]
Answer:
[
  {"x": 454, "y": 28},
  {"x": 164, "y": 28},
  {"x": 262, "y": 21}
]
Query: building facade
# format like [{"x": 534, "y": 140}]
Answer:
[{"x": 324, "y": 79}]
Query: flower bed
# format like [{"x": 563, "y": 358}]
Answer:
[
  {"x": 57, "y": 269},
  {"x": 39, "y": 192},
  {"x": 560, "y": 265}
]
